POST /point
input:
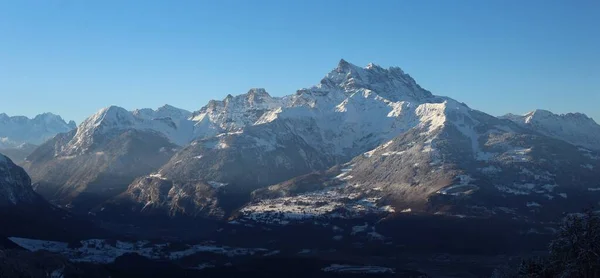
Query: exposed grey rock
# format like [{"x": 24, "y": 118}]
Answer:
[{"x": 15, "y": 185}]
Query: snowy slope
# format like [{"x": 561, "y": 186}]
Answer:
[
  {"x": 18, "y": 130},
  {"x": 334, "y": 106},
  {"x": 457, "y": 162},
  {"x": 392, "y": 83},
  {"x": 351, "y": 111},
  {"x": 234, "y": 113},
  {"x": 575, "y": 128},
  {"x": 168, "y": 121},
  {"x": 106, "y": 153},
  {"x": 352, "y": 108},
  {"x": 178, "y": 125},
  {"x": 165, "y": 111},
  {"x": 397, "y": 133}
]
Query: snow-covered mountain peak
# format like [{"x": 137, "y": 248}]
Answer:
[
  {"x": 108, "y": 118},
  {"x": 541, "y": 116},
  {"x": 371, "y": 66},
  {"x": 254, "y": 97},
  {"x": 169, "y": 108},
  {"x": 575, "y": 128},
  {"x": 346, "y": 67},
  {"x": 538, "y": 115},
  {"x": 257, "y": 93},
  {"x": 173, "y": 111},
  {"x": 6, "y": 118},
  {"x": 545, "y": 115},
  {"x": 392, "y": 83},
  {"x": 580, "y": 117},
  {"x": 111, "y": 116},
  {"x": 46, "y": 116},
  {"x": 17, "y": 130},
  {"x": 258, "y": 97},
  {"x": 234, "y": 112},
  {"x": 165, "y": 111},
  {"x": 169, "y": 121}
]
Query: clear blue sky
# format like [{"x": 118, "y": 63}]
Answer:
[{"x": 75, "y": 57}]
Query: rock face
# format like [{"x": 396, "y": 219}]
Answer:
[
  {"x": 25, "y": 213},
  {"x": 18, "y": 130},
  {"x": 575, "y": 128},
  {"x": 15, "y": 185}
]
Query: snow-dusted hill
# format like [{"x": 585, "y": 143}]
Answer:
[
  {"x": 575, "y": 128},
  {"x": 18, "y": 130}
]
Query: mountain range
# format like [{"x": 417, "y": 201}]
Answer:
[
  {"x": 368, "y": 132},
  {"x": 365, "y": 145},
  {"x": 20, "y": 135},
  {"x": 18, "y": 130}
]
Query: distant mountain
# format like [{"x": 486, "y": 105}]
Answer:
[
  {"x": 18, "y": 130},
  {"x": 19, "y": 153},
  {"x": 575, "y": 128},
  {"x": 166, "y": 111}
]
